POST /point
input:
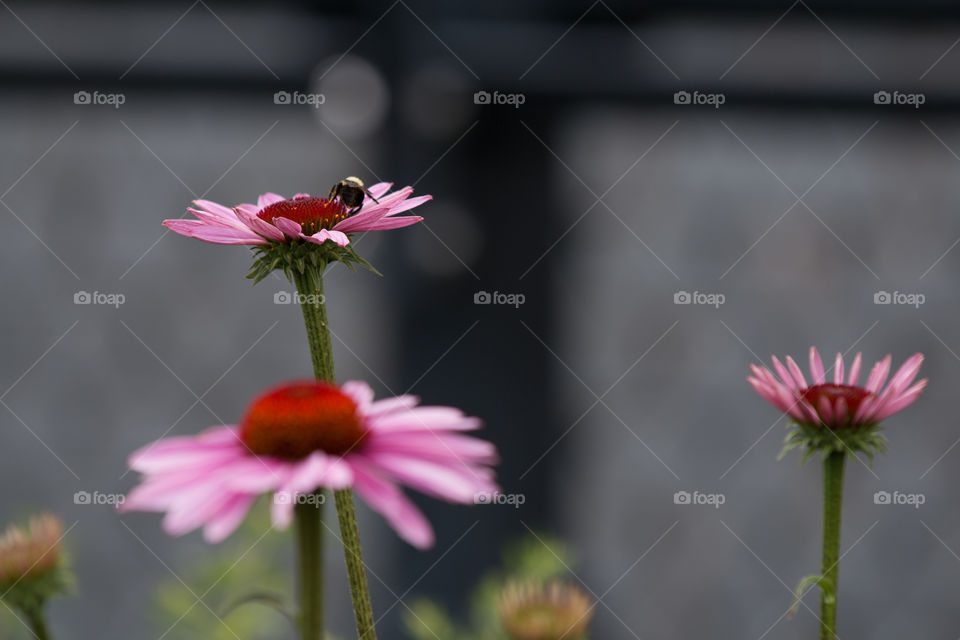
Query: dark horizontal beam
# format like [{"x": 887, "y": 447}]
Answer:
[
  {"x": 800, "y": 63},
  {"x": 566, "y": 11}
]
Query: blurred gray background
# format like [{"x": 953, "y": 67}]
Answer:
[{"x": 598, "y": 198}]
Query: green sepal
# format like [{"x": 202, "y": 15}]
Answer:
[
  {"x": 302, "y": 257},
  {"x": 31, "y": 593},
  {"x": 815, "y": 438},
  {"x": 272, "y": 600}
]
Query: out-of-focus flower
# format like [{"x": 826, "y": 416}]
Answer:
[
  {"x": 302, "y": 437},
  {"x": 556, "y": 611},
  {"x": 841, "y": 414},
  {"x": 32, "y": 569},
  {"x": 29, "y": 552}
]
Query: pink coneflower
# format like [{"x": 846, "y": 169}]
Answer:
[
  {"x": 843, "y": 403},
  {"x": 554, "y": 611},
  {"x": 275, "y": 219},
  {"x": 835, "y": 419},
  {"x": 32, "y": 570},
  {"x": 304, "y": 436},
  {"x": 29, "y": 552}
]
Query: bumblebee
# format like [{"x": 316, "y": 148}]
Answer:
[{"x": 351, "y": 193}]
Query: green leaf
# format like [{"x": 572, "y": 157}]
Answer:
[
  {"x": 806, "y": 583},
  {"x": 272, "y": 600}
]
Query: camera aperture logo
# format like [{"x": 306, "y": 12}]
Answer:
[
  {"x": 97, "y": 98},
  {"x": 295, "y": 297},
  {"x": 897, "y": 498},
  {"x": 698, "y": 297},
  {"x": 512, "y": 299},
  {"x": 97, "y": 498},
  {"x": 701, "y": 499},
  {"x": 899, "y": 297},
  {"x": 99, "y": 298},
  {"x": 298, "y": 98},
  {"x": 699, "y": 98},
  {"x": 495, "y": 497},
  {"x": 900, "y": 99},
  {"x": 512, "y": 99}
]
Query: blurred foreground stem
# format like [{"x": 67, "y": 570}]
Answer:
[
  {"x": 38, "y": 625},
  {"x": 309, "y": 523}
]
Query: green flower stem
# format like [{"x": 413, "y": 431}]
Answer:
[
  {"x": 832, "y": 505},
  {"x": 318, "y": 331},
  {"x": 356, "y": 571},
  {"x": 321, "y": 354},
  {"x": 309, "y": 524},
  {"x": 37, "y": 624}
]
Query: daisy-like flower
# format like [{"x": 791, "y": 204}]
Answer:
[
  {"x": 31, "y": 552},
  {"x": 32, "y": 570},
  {"x": 275, "y": 219},
  {"x": 838, "y": 414},
  {"x": 532, "y": 611},
  {"x": 301, "y": 437},
  {"x": 303, "y": 234}
]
